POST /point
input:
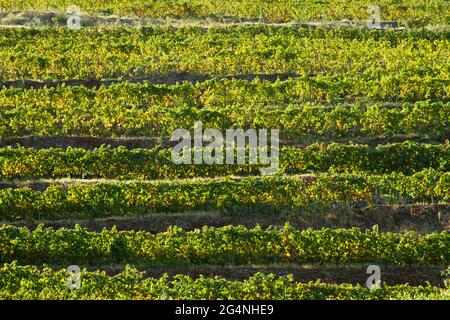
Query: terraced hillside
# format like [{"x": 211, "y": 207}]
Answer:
[{"x": 87, "y": 176}]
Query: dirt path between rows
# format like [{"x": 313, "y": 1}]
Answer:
[
  {"x": 53, "y": 18},
  {"x": 422, "y": 218},
  {"x": 170, "y": 78},
  {"x": 40, "y": 142},
  {"x": 354, "y": 274}
]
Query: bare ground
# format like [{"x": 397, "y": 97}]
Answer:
[
  {"x": 422, "y": 218},
  {"x": 47, "y": 18},
  {"x": 40, "y": 142},
  {"x": 170, "y": 78},
  {"x": 353, "y": 274}
]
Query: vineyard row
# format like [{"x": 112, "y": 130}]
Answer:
[
  {"x": 394, "y": 64},
  {"x": 29, "y": 282},
  {"x": 157, "y": 110},
  {"x": 86, "y": 199},
  {"x": 234, "y": 245},
  {"x": 157, "y": 163},
  {"x": 417, "y": 13}
]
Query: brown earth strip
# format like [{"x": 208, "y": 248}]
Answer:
[
  {"x": 89, "y": 143},
  {"x": 39, "y": 142},
  {"x": 422, "y": 218},
  {"x": 171, "y": 78},
  {"x": 47, "y": 18},
  {"x": 353, "y": 274}
]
